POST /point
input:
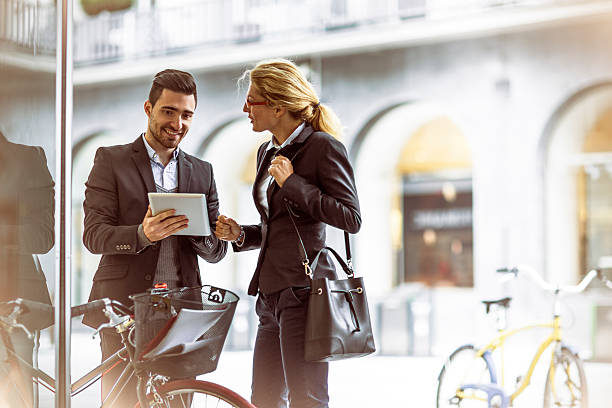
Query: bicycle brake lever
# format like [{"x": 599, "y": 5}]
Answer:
[
  {"x": 100, "y": 328},
  {"x": 25, "y": 329}
]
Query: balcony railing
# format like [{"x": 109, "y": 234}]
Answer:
[{"x": 29, "y": 27}]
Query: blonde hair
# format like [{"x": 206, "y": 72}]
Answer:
[{"x": 282, "y": 83}]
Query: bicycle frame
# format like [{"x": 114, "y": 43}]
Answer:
[
  {"x": 499, "y": 342},
  {"x": 40, "y": 377}
]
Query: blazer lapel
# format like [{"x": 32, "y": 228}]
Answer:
[
  {"x": 264, "y": 157},
  {"x": 143, "y": 164},
  {"x": 272, "y": 187},
  {"x": 290, "y": 151},
  {"x": 184, "y": 174}
]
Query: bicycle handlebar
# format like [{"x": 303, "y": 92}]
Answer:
[
  {"x": 89, "y": 307},
  {"x": 536, "y": 278},
  {"x": 23, "y": 306},
  {"x": 531, "y": 273}
]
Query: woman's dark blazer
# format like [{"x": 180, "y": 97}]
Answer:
[{"x": 321, "y": 192}]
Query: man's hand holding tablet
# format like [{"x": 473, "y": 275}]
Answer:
[
  {"x": 162, "y": 225},
  {"x": 177, "y": 214}
]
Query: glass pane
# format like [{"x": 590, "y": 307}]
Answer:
[
  {"x": 27, "y": 174},
  {"x": 599, "y": 221},
  {"x": 438, "y": 232}
]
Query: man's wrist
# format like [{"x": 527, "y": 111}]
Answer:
[
  {"x": 143, "y": 240},
  {"x": 240, "y": 240}
]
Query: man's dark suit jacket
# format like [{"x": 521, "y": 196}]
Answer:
[
  {"x": 115, "y": 204},
  {"x": 320, "y": 191},
  {"x": 26, "y": 220}
]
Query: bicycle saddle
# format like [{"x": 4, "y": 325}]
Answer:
[{"x": 503, "y": 302}]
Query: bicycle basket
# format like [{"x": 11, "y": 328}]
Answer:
[{"x": 181, "y": 333}]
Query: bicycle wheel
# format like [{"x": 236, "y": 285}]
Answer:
[
  {"x": 567, "y": 386},
  {"x": 176, "y": 394},
  {"x": 462, "y": 367}
]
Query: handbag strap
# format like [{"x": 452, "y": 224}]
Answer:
[
  {"x": 347, "y": 267},
  {"x": 348, "y": 270}
]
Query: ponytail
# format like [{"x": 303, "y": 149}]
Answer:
[{"x": 324, "y": 119}]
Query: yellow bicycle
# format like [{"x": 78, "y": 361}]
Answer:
[{"x": 469, "y": 377}]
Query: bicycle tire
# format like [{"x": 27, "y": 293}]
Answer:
[
  {"x": 463, "y": 366},
  {"x": 570, "y": 386},
  {"x": 203, "y": 394}
]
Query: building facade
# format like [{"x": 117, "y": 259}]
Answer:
[{"x": 480, "y": 139}]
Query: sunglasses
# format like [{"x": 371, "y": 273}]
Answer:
[{"x": 249, "y": 104}]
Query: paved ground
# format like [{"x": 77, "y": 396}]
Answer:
[{"x": 375, "y": 381}]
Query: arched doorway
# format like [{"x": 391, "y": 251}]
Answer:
[
  {"x": 413, "y": 173},
  {"x": 436, "y": 206},
  {"x": 577, "y": 147}
]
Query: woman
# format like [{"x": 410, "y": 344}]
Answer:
[{"x": 305, "y": 170}]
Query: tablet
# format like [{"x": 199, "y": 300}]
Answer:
[{"x": 192, "y": 205}]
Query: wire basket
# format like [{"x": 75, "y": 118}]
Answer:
[{"x": 180, "y": 333}]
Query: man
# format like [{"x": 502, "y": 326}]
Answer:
[
  {"x": 26, "y": 228},
  {"x": 139, "y": 249}
]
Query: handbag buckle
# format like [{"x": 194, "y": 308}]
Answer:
[
  {"x": 307, "y": 269},
  {"x": 349, "y": 264}
]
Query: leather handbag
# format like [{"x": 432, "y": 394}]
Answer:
[{"x": 338, "y": 320}]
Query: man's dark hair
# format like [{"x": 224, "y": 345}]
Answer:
[{"x": 174, "y": 80}]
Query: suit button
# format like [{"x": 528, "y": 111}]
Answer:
[
  {"x": 148, "y": 277},
  {"x": 118, "y": 247},
  {"x": 129, "y": 246}
]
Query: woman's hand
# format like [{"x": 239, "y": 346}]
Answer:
[
  {"x": 280, "y": 168},
  {"x": 227, "y": 229}
]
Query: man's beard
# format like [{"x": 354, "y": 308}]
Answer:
[{"x": 168, "y": 144}]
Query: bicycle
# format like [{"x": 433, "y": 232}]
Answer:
[
  {"x": 156, "y": 346},
  {"x": 469, "y": 376}
]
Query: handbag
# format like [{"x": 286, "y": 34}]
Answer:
[{"x": 338, "y": 320}]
